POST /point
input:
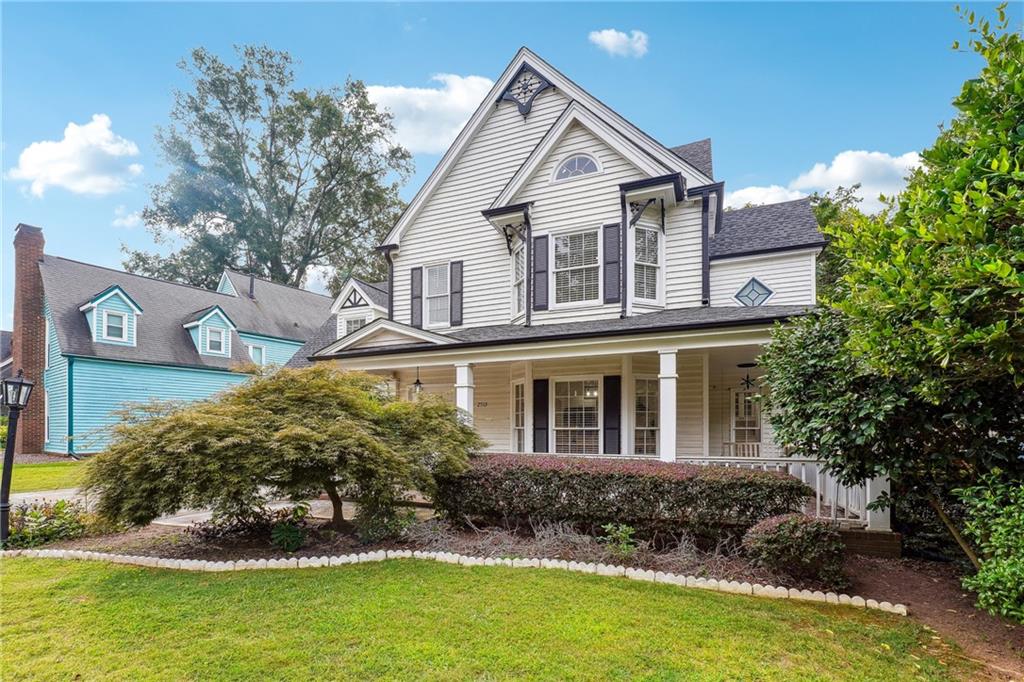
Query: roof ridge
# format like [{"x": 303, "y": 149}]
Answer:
[
  {"x": 777, "y": 203},
  {"x": 268, "y": 281},
  {"x": 135, "y": 274}
]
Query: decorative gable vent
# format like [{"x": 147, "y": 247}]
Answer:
[
  {"x": 524, "y": 88},
  {"x": 753, "y": 293},
  {"x": 354, "y": 300}
]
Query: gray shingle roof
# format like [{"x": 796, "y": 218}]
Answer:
[
  {"x": 377, "y": 291},
  {"x": 697, "y": 154},
  {"x": 277, "y": 311},
  {"x": 679, "y": 319},
  {"x": 760, "y": 229},
  {"x": 321, "y": 338}
]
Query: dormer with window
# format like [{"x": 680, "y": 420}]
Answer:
[
  {"x": 358, "y": 304},
  {"x": 112, "y": 316},
  {"x": 210, "y": 330}
]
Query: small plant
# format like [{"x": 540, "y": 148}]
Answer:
[
  {"x": 289, "y": 530},
  {"x": 37, "y": 523},
  {"x": 618, "y": 538},
  {"x": 799, "y": 547},
  {"x": 374, "y": 523}
]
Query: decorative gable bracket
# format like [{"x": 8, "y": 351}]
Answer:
[
  {"x": 512, "y": 222},
  {"x": 524, "y": 88}
]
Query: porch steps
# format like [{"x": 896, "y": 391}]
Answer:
[{"x": 880, "y": 543}]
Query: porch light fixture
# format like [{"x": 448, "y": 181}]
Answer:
[
  {"x": 14, "y": 394},
  {"x": 417, "y": 386},
  {"x": 747, "y": 382}
]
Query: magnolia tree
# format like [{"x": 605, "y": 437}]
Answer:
[{"x": 293, "y": 434}]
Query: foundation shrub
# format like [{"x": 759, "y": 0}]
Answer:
[
  {"x": 799, "y": 547},
  {"x": 652, "y": 497}
]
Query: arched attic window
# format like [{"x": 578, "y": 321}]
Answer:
[{"x": 576, "y": 166}]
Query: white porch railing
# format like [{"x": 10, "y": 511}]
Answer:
[
  {"x": 832, "y": 500},
  {"x": 743, "y": 450}
]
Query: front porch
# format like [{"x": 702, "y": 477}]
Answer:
[{"x": 694, "y": 405}]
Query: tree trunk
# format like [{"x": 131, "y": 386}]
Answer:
[
  {"x": 953, "y": 530},
  {"x": 337, "y": 517}
]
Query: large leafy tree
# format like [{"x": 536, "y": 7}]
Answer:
[
  {"x": 937, "y": 292},
  {"x": 269, "y": 178},
  {"x": 294, "y": 434}
]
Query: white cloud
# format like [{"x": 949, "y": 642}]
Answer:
[
  {"x": 318, "y": 277},
  {"x": 428, "y": 119},
  {"x": 619, "y": 44},
  {"x": 122, "y": 218},
  {"x": 91, "y": 159},
  {"x": 877, "y": 172}
]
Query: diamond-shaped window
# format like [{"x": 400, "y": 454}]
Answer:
[{"x": 753, "y": 293}]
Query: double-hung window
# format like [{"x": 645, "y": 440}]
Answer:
[
  {"x": 577, "y": 268},
  {"x": 214, "y": 340},
  {"x": 519, "y": 416},
  {"x": 646, "y": 264},
  {"x": 645, "y": 417},
  {"x": 577, "y": 417},
  {"x": 519, "y": 280},
  {"x": 354, "y": 324},
  {"x": 436, "y": 302},
  {"x": 257, "y": 354},
  {"x": 114, "y": 326}
]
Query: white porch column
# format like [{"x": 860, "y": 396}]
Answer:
[
  {"x": 873, "y": 489},
  {"x": 626, "y": 407},
  {"x": 528, "y": 405},
  {"x": 464, "y": 389},
  {"x": 667, "y": 405}
]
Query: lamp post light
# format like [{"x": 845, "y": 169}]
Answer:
[{"x": 14, "y": 392}]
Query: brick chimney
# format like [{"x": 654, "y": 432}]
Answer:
[{"x": 28, "y": 343}]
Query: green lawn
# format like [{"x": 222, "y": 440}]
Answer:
[
  {"x": 422, "y": 620},
  {"x": 28, "y": 478}
]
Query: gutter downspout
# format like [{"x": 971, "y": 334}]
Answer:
[
  {"x": 71, "y": 408},
  {"x": 528, "y": 275},
  {"x": 623, "y": 266},
  {"x": 386, "y": 249}
]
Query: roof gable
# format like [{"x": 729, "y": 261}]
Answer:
[
  {"x": 577, "y": 114},
  {"x": 203, "y": 316},
  {"x": 384, "y": 332},
  {"x": 356, "y": 293},
  {"x": 698, "y": 154},
  {"x": 109, "y": 292},
  {"x": 571, "y": 90}
]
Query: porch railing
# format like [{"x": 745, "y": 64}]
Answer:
[
  {"x": 831, "y": 500},
  {"x": 742, "y": 449}
]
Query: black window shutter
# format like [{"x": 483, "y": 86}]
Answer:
[
  {"x": 416, "y": 297},
  {"x": 456, "y": 293},
  {"x": 612, "y": 264},
  {"x": 612, "y": 415},
  {"x": 540, "y": 415},
  {"x": 540, "y": 273}
]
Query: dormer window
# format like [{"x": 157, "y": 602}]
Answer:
[
  {"x": 576, "y": 166},
  {"x": 115, "y": 327},
  {"x": 214, "y": 340}
]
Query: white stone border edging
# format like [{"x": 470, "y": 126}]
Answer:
[{"x": 730, "y": 586}]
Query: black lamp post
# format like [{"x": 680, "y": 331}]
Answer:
[{"x": 14, "y": 393}]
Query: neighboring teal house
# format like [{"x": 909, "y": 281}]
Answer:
[{"x": 114, "y": 339}]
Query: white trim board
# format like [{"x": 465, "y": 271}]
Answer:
[
  {"x": 525, "y": 57},
  {"x": 382, "y": 324}
]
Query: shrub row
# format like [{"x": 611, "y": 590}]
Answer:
[{"x": 652, "y": 497}]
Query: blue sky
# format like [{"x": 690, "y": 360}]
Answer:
[{"x": 790, "y": 93}]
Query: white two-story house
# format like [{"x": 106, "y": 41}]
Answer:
[{"x": 576, "y": 288}]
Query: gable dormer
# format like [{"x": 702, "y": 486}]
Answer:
[
  {"x": 112, "y": 316},
  {"x": 210, "y": 329},
  {"x": 359, "y": 303},
  {"x": 224, "y": 286}
]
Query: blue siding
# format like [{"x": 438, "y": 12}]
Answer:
[
  {"x": 115, "y": 304},
  {"x": 102, "y": 387},
  {"x": 278, "y": 351},
  {"x": 55, "y": 392},
  {"x": 214, "y": 321},
  {"x": 224, "y": 286}
]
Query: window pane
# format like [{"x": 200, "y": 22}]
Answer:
[
  {"x": 576, "y": 417},
  {"x": 215, "y": 340},
  {"x": 645, "y": 284},
  {"x": 437, "y": 310},
  {"x": 115, "y": 326},
  {"x": 572, "y": 286},
  {"x": 437, "y": 280},
  {"x": 575, "y": 166},
  {"x": 519, "y": 279},
  {"x": 353, "y": 325},
  {"x": 647, "y": 246}
]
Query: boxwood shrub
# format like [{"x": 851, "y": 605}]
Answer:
[
  {"x": 800, "y": 547},
  {"x": 652, "y": 497}
]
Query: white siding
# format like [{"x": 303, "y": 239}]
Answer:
[
  {"x": 682, "y": 256},
  {"x": 790, "y": 276},
  {"x": 450, "y": 226}
]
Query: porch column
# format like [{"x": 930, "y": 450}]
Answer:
[
  {"x": 874, "y": 488},
  {"x": 528, "y": 405},
  {"x": 464, "y": 389},
  {"x": 667, "y": 405}
]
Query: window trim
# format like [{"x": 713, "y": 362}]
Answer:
[
  {"x": 224, "y": 347},
  {"x": 512, "y": 416},
  {"x": 263, "y": 352},
  {"x": 552, "y": 380},
  {"x": 519, "y": 249},
  {"x": 632, "y": 416},
  {"x": 753, "y": 278},
  {"x": 597, "y": 302},
  {"x": 567, "y": 157},
  {"x": 425, "y": 311},
  {"x": 732, "y": 415},
  {"x": 631, "y": 254},
  {"x": 124, "y": 327}
]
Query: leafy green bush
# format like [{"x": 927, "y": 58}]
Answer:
[
  {"x": 37, "y": 523},
  {"x": 799, "y": 547},
  {"x": 618, "y": 538},
  {"x": 288, "y": 531},
  {"x": 652, "y": 497},
  {"x": 375, "y": 522},
  {"x": 3, "y": 432},
  {"x": 995, "y": 522}
]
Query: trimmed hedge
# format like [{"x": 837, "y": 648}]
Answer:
[
  {"x": 799, "y": 547},
  {"x": 651, "y": 496}
]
